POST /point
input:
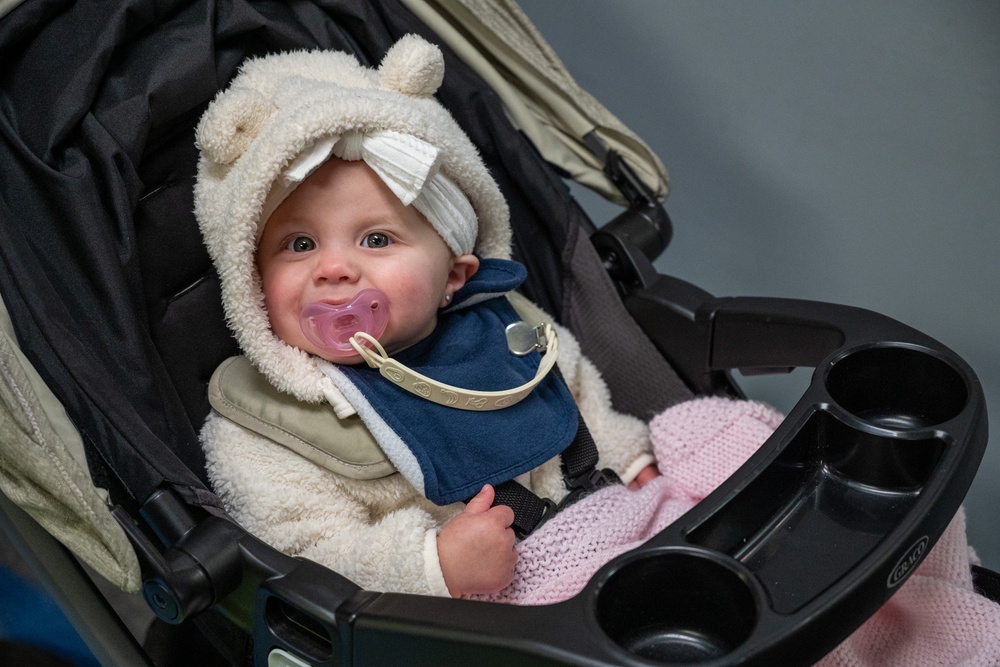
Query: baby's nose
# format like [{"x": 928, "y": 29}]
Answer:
[{"x": 337, "y": 266}]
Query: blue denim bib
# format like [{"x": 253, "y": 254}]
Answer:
[{"x": 448, "y": 453}]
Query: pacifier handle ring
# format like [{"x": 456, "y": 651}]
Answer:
[{"x": 448, "y": 395}]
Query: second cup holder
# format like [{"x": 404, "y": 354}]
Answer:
[
  {"x": 676, "y": 606},
  {"x": 897, "y": 388}
]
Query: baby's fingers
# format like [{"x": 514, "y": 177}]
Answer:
[
  {"x": 482, "y": 501},
  {"x": 502, "y": 514}
]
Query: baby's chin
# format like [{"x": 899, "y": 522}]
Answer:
[{"x": 340, "y": 360}]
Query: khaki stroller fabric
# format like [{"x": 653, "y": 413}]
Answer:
[
  {"x": 43, "y": 469},
  {"x": 496, "y": 39},
  {"x": 6, "y": 6}
]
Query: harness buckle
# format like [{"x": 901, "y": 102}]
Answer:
[
  {"x": 550, "y": 510},
  {"x": 587, "y": 482}
]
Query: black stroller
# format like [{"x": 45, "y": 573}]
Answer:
[{"x": 113, "y": 300}]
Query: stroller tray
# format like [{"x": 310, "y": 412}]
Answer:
[{"x": 782, "y": 561}]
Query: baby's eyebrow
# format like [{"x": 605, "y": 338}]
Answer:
[
  {"x": 290, "y": 220},
  {"x": 384, "y": 221}
]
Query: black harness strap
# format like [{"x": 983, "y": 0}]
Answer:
[
  {"x": 580, "y": 474},
  {"x": 579, "y": 462},
  {"x": 530, "y": 510}
]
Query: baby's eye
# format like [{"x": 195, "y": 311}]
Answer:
[
  {"x": 376, "y": 240},
  {"x": 301, "y": 244}
]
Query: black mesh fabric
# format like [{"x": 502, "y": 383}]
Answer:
[
  {"x": 528, "y": 508},
  {"x": 641, "y": 381},
  {"x": 101, "y": 265}
]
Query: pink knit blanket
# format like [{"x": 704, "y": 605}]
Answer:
[{"x": 936, "y": 618}]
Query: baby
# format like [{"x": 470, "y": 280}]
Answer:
[
  {"x": 363, "y": 252},
  {"x": 343, "y": 230}
]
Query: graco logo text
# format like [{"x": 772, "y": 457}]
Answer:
[{"x": 907, "y": 562}]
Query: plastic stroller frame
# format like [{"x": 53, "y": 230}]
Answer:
[{"x": 865, "y": 472}]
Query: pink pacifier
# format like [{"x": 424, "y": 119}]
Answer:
[{"x": 331, "y": 326}]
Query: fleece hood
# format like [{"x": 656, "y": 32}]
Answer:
[{"x": 279, "y": 107}]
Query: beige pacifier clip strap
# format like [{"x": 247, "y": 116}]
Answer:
[{"x": 448, "y": 395}]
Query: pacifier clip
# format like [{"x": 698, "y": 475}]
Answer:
[{"x": 522, "y": 338}]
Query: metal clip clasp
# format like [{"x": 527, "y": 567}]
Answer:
[{"x": 522, "y": 338}]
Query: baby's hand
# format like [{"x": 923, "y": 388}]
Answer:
[
  {"x": 645, "y": 476},
  {"x": 476, "y": 548}
]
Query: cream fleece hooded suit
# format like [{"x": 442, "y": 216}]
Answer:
[{"x": 342, "y": 504}]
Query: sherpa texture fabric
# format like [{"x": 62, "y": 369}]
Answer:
[
  {"x": 935, "y": 619},
  {"x": 278, "y": 107}
]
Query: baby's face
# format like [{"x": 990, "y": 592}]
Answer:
[{"x": 341, "y": 231}]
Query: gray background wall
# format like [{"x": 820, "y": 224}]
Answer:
[{"x": 839, "y": 151}]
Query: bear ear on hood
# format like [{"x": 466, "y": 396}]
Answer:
[
  {"x": 412, "y": 67},
  {"x": 231, "y": 123}
]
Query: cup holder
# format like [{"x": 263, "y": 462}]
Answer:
[
  {"x": 897, "y": 388},
  {"x": 676, "y": 607}
]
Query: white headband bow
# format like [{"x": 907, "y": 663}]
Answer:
[{"x": 407, "y": 165}]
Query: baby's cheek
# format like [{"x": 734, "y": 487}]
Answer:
[
  {"x": 421, "y": 300},
  {"x": 284, "y": 321}
]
